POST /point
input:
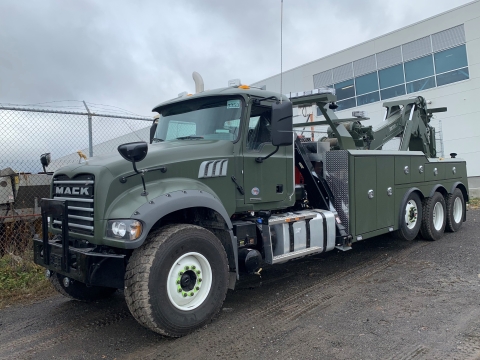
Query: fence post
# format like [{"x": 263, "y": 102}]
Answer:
[{"x": 90, "y": 140}]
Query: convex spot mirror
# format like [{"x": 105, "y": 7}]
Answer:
[
  {"x": 134, "y": 152},
  {"x": 282, "y": 124}
]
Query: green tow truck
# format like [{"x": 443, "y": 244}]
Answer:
[{"x": 229, "y": 183}]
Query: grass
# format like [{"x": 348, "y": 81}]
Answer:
[
  {"x": 21, "y": 280},
  {"x": 474, "y": 204}
]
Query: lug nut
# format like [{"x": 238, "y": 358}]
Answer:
[
  {"x": 193, "y": 267},
  {"x": 197, "y": 288},
  {"x": 179, "y": 290},
  {"x": 198, "y": 272},
  {"x": 191, "y": 294},
  {"x": 178, "y": 282},
  {"x": 184, "y": 294},
  {"x": 181, "y": 273},
  {"x": 199, "y": 279},
  {"x": 187, "y": 267}
]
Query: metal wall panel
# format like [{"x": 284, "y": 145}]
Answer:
[
  {"x": 448, "y": 38},
  {"x": 364, "y": 66},
  {"x": 322, "y": 79},
  {"x": 389, "y": 57},
  {"x": 342, "y": 72},
  {"x": 417, "y": 48}
]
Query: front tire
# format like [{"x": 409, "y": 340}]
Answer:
[
  {"x": 79, "y": 291},
  {"x": 434, "y": 217},
  {"x": 177, "y": 280},
  {"x": 455, "y": 210}
]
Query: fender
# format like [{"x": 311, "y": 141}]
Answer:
[
  {"x": 435, "y": 188},
  {"x": 462, "y": 188},
  {"x": 162, "y": 205}
]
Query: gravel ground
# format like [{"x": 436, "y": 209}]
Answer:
[{"x": 385, "y": 299}]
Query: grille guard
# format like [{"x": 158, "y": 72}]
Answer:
[{"x": 90, "y": 267}]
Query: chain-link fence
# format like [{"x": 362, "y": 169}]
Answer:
[{"x": 66, "y": 135}]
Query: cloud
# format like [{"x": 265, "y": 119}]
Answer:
[{"x": 138, "y": 54}]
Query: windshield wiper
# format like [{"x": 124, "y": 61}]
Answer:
[
  {"x": 157, "y": 140},
  {"x": 189, "y": 137}
]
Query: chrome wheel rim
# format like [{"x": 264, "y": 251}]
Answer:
[
  {"x": 457, "y": 210},
  {"x": 438, "y": 216},
  {"x": 411, "y": 214},
  {"x": 189, "y": 281}
]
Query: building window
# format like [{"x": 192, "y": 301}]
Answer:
[
  {"x": 427, "y": 67},
  {"x": 419, "y": 68},
  {"x": 420, "y": 85},
  {"x": 450, "y": 59},
  {"x": 392, "y": 92},
  {"x": 452, "y": 76},
  {"x": 346, "y": 104},
  {"x": 391, "y": 76},
  {"x": 368, "y": 98},
  {"x": 366, "y": 83},
  {"x": 345, "y": 89}
]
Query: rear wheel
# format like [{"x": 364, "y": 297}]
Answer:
[
  {"x": 455, "y": 210},
  {"x": 177, "y": 280},
  {"x": 434, "y": 217},
  {"x": 410, "y": 219},
  {"x": 79, "y": 291}
]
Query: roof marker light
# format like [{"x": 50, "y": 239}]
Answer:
[{"x": 182, "y": 94}]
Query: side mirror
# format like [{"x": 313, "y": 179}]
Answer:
[
  {"x": 45, "y": 160},
  {"x": 133, "y": 152},
  {"x": 153, "y": 129},
  {"x": 282, "y": 124}
]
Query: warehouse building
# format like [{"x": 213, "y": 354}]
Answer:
[{"x": 437, "y": 58}]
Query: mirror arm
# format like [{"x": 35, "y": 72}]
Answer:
[
  {"x": 163, "y": 169},
  {"x": 260, "y": 159}
]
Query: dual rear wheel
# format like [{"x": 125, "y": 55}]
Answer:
[{"x": 432, "y": 216}]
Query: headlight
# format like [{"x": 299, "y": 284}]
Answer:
[{"x": 124, "y": 229}]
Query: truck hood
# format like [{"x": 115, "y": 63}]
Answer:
[{"x": 159, "y": 154}]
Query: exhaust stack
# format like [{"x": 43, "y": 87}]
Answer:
[{"x": 198, "y": 82}]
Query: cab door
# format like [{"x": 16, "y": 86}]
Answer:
[{"x": 266, "y": 181}]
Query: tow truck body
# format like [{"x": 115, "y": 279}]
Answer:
[{"x": 229, "y": 162}]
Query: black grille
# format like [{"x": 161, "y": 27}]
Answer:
[{"x": 79, "y": 192}]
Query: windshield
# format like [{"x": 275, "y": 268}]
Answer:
[{"x": 214, "y": 118}]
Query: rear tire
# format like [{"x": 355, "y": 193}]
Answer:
[
  {"x": 410, "y": 220},
  {"x": 177, "y": 280},
  {"x": 79, "y": 291},
  {"x": 455, "y": 210},
  {"x": 434, "y": 217}
]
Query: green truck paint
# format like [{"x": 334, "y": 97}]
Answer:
[{"x": 227, "y": 181}]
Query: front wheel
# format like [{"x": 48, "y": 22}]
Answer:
[{"x": 177, "y": 280}]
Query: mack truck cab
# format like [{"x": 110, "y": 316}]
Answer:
[{"x": 226, "y": 185}]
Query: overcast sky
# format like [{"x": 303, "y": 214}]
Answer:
[{"x": 136, "y": 54}]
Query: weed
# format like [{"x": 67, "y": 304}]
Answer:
[
  {"x": 474, "y": 204},
  {"x": 21, "y": 280}
]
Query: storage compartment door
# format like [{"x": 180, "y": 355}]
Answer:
[{"x": 365, "y": 204}]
